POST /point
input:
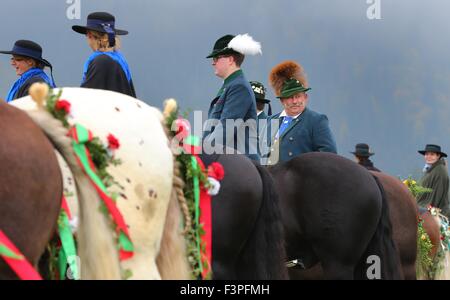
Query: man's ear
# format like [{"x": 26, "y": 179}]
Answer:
[{"x": 232, "y": 61}]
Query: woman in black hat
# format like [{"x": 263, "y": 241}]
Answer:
[
  {"x": 29, "y": 64},
  {"x": 435, "y": 177},
  {"x": 362, "y": 154},
  {"x": 106, "y": 68}
]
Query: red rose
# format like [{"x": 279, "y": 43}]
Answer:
[
  {"x": 113, "y": 142},
  {"x": 63, "y": 105},
  {"x": 216, "y": 171}
]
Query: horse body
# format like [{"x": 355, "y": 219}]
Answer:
[
  {"x": 145, "y": 175},
  {"x": 247, "y": 232},
  {"x": 404, "y": 217},
  {"x": 28, "y": 168},
  {"x": 404, "y": 214},
  {"x": 226, "y": 206},
  {"x": 334, "y": 213},
  {"x": 441, "y": 265},
  {"x": 247, "y": 229}
]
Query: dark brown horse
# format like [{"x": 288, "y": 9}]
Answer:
[
  {"x": 31, "y": 186},
  {"x": 404, "y": 217},
  {"x": 31, "y": 190},
  {"x": 431, "y": 226},
  {"x": 336, "y": 218}
]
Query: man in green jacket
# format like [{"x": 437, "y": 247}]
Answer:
[{"x": 436, "y": 178}]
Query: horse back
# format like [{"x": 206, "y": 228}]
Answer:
[
  {"x": 234, "y": 210},
  {"x": 30, "y": 183},
  {"x": 320, "y": 192}
]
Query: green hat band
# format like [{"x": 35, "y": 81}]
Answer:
[{"x": 292, "y": 87}]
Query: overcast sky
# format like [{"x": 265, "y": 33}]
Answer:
[{"x": 381, "y": 81}]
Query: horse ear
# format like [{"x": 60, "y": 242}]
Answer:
[
  {"x": 170, "y": 106},
  {"x": 39, "y": 92}
]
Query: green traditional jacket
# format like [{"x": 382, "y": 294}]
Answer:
[{"x": 436, "y": 178}]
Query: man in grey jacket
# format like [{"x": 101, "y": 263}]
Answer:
[
  {"x": 297, "y": 129},
  {"x": 232, "y": 113}
]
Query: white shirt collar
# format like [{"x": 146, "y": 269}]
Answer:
[
  {"x": 259, "y": 113},
  {"x": 283, "y": 114}
]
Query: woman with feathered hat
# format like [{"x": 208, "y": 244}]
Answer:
[
  {"x": 235, "y": 100},
  {"x": 301, "y": 129},
  {"x": 106, "y": 68},
  {"x": 29, "y": 65}
]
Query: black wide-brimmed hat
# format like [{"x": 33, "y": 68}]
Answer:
[
  {"x": 100, "y": 22},
  {"x": 221, "y": 46},
  {"x": 260, "y": 91},
  {"x": 433, "y": 148},
  {"x": 232, "y": 44},
  {"x": 362, "y": 149},
  {"x": 29, "y": 49}
]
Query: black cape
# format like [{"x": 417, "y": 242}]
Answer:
[
  {"x": 106, "y": 74},
  {"x": 368, "y": 164},
  {"x": 436, "y": 178}
]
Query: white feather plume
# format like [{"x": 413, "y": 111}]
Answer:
[{"x": 245, "y": 44}]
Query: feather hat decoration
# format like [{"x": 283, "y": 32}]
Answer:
[
  {"x": 245, "y": 44},
  {"x": 231, "y": 44},
  {"x": 282, "y": 74}
]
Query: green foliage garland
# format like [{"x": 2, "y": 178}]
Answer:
[
  {"x": 189, "y": 173},
  {"x": 424, "y": 246}
]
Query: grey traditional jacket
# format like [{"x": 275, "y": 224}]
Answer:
[
  {"x": 309, "y": 132},
  {"x": 235, "y": 101}
]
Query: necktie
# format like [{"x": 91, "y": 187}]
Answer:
[{"x": 284, "y": 125}]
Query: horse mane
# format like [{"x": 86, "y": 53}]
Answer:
[
  {"x": 97, "y": 248},
  {"x": 172, "y": 257}
]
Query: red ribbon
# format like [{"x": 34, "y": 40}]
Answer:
[
  {"x": 206, "y": 220},
  {"x": 65, "y": 207},
  {"x": 127, "y": 250},
  {"x": 20, "y": 266}
]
